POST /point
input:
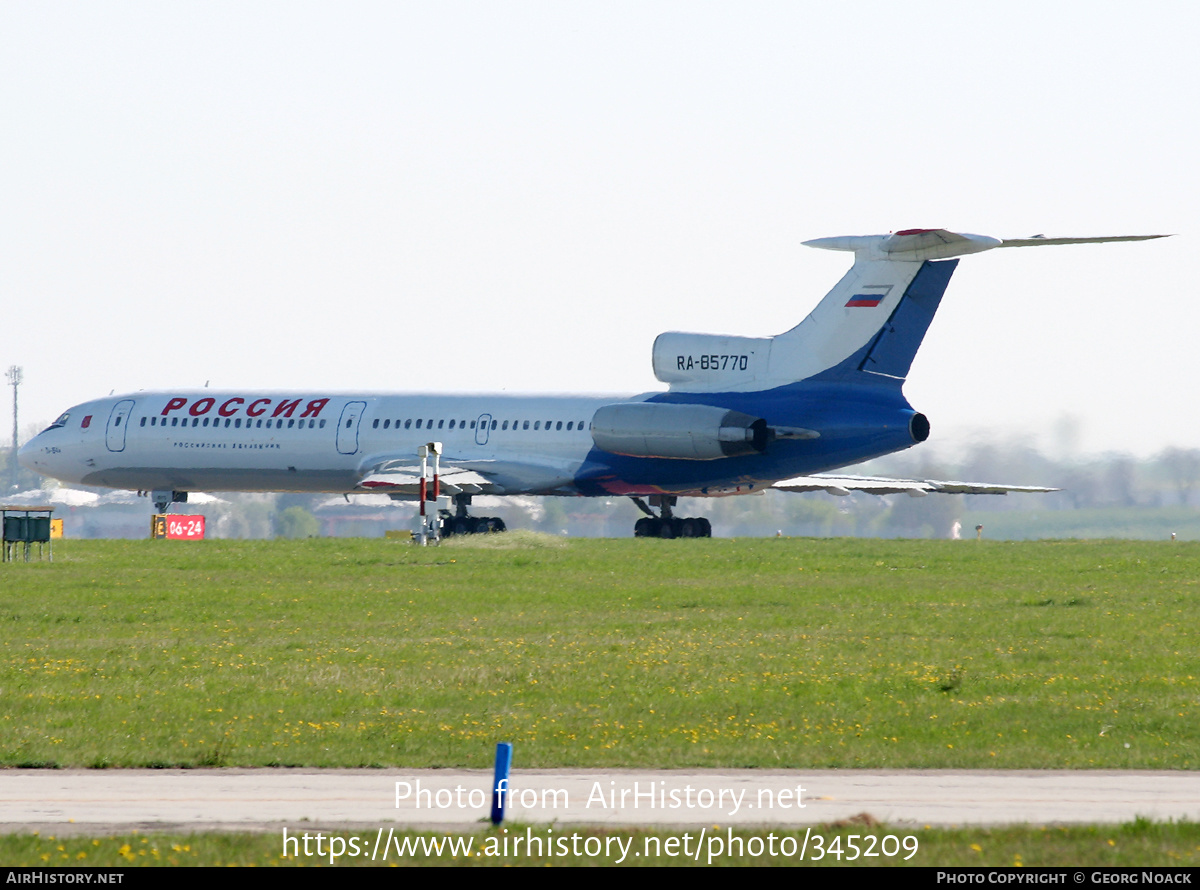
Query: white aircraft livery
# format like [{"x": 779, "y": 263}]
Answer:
[{"x": 740, "y": 415}]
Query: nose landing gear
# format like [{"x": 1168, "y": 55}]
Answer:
[{"x": 163, "y": 499}]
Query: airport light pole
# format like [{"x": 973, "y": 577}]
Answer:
[{"x": 14, "y": 380}]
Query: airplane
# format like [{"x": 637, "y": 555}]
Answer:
[{"x": 741, "y": 415}]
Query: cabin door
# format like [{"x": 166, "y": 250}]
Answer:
[
  {"x": 347, "y": 431},
  {"x": 482, "y": 427},
  {"x": 118, "y": 420}
]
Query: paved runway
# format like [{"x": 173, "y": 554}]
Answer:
[{"x": 109, "y": 800}]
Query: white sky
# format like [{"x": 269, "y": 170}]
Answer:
[{"x": 520, "y": 196}]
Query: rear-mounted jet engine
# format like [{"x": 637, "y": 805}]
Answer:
[{"x": 687, "y": 432}]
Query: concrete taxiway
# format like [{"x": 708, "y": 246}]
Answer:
[{"x": 107, "y": 800}]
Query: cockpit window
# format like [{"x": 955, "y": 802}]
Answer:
[{"x": 61, "y": 422}]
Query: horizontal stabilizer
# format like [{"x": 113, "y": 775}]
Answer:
[
  {"x": 1038, "y": 240},
  {"x": 910, "y": 244},
  {"x": 938, "y": 244}
]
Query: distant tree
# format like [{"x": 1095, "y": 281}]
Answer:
[
  {"x": 248, "y": 518},
  {"x": 554, "y": 517},
  {"x": 1182, "y": 466},
  {"x": 296, "y": 522},
  {"x": 1121, "y": 476},
  {"x": 932, "y": 516}
]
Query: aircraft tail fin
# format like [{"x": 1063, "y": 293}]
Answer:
[{"x": 868, "y": 328}]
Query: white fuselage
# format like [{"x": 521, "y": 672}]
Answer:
[{"x": 262, "y": 441}]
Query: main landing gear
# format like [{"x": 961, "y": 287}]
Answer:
[
  {"x": 667, "y": 525},
  {"x": 459, "y": 523}
]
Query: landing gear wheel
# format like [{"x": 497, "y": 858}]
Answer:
[
  {"x": 462, "y": 523},
  {"x": 668, "y": 525}
]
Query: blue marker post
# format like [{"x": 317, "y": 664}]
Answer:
[{"x": 500, "y": 789}]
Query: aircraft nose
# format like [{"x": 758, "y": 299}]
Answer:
[
  {"x": 38, "y": 454},
  {"x": 27, "y": 453}
]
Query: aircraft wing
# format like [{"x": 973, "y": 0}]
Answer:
[
  {"x": 454, "y": 480},
  {"x": 843, "y": 485},
  {"x": 401, "y": 476}
]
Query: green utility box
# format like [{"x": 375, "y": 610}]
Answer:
[{"x": 23, "y": 527}]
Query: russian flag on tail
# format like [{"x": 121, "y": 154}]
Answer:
[{"x": 865, "y": 300}]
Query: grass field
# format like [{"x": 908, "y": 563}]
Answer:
[{"x": 603, "y": 653}]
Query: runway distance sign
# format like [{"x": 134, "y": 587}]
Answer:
[{"x": 177, "y": 528}]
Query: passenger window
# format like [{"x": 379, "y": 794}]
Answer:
[
  {"x": 375, "y": 424},
  {"x": 559, "y": 426},
  {"x": 237, "y": 424},
  {"x": 386, "y": 424},
  {"x": 418, "y": 427},
  {"x": 570, "y": 423},
  {"x": 322, "y": 424},
  {"x": 408, "y": 423},
  {"x": 503, "y": 428},
  {"x": 205, "y": 422},
  {"x": 441, "y": 423},
  {"x": 493, "y": 424},
  {"x": 537, "y": 424},
  {"x": 143, "y": 423}
]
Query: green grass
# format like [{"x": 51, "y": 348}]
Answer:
[
  {"x": 1131, "y": 844},
  {"x": 798, "y": 653},
  {"x": 1134, "y": 523}
]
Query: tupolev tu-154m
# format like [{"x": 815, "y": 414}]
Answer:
[{"x": 740, "y": 415}]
